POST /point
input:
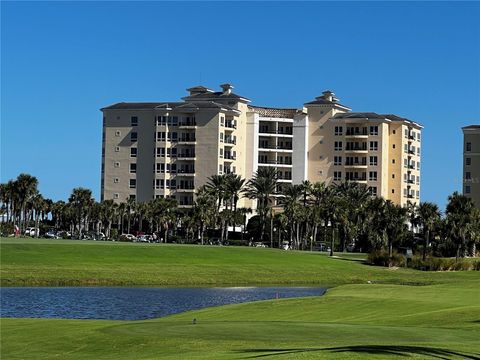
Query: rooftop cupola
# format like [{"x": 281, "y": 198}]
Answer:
[
  {"x": 199, "y": 90},
  {"x": 226, "y": 88},
  {"x": 328, "y": 96}
]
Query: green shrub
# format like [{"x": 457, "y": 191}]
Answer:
[
  {"x": 381, "y": 258},
  {"x": 6, "y": 229},
  {"x": 441, "y": 264},
  {"x": 476, "y": 265}
]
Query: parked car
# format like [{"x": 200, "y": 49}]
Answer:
[
  {"x": 145, "y": 238},
  {"x": 52, "y": 234},
  {"x": 128, "y": 237},
  {"x": 31, "y": 231}
]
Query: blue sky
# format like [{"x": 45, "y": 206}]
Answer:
[{"x": 61, "y": 62}]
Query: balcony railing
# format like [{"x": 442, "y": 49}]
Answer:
[
  {"x": 276, "y": 132},
  {"x": 186, "y": 171},
  {"x": 276, "y": 147},
  {"x": 230, "y": 141},
  {"x": 356, "y": 163},
  {"x": 360, "y": 132},
  {"x": 186, "y": 155},
  {"x": 187, "y": 123},
  {"x": 356, "y": 147},
  {"x": 230, "y": 125},
  {"x": 275, "y": 162},
  {"x": 230, "y": 157}
]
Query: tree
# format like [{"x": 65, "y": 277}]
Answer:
[
  {"x": 459, "y": 215},
  {"x": 204, "y": 209},
  {"x": 356, "y": 197},
  {"x": 428, "y": 215},
  {"x": 25, "y": 186},
  {"x": 81, "y": 200},
  {"x": 261, "y": 188},
  {"x": 290, "y": 196}
]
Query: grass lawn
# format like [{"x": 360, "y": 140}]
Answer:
[
  {"x": 388, "y": 318},
  {"x": 40, "y": 262},
  {"x": 367, "y": 321}
]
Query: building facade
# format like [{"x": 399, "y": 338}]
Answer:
[
  {"x": 471, "y": 163},
  {"x": 169, "y": 149}
]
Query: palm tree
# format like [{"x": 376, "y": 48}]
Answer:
[
  {"x": 38, "y": 205},
  {"x": 204, "y": 209},
  {"x": 318, "y": 197},
  {"x": 108, "y": 215},
  {"x": 216, "y": 185},
  {"x": 25, "y": 187},
  {"x": 459, "y": 215},
  {"x": 261, "y": 188},
  {"x": 130, "y": 208},
  {"x": 290, "y": 197},
  {"x": 356, "y": 198},
  {"x": 81, "y": 200},
  {"x": 428, "y": 216}
]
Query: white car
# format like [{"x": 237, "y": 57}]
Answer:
[{"x": 31, "y": 231}]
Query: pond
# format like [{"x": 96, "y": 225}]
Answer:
[{"x": 131, "y": 303}]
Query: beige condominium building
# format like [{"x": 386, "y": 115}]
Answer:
[
  {"x": 168, "y": 149},
  {"x": 471, "y": 163}
]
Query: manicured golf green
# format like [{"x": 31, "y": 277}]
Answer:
[
  {"x": 40, "y": 262},
  {"x": 368, "y": 321}
]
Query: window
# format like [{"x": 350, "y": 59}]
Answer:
[
  {"x": 116, "y": 196},
  {"x": 160, "y": 152},
  {"x": 220, "y": 168},
  {"x": 467, "y": 189},
  {"x": 337, "y": 160},
  {"x": 134, "y": 121},
  {"x": 338, "y": 130},
  {"x": 133, "y": 183},
  {"x": 161, "y": 120},
  {"x": 374, "y": 130},
  {"x": 393, "y": 176},
  {"x": 133, "y": 136},
  {"x": 468, "y": 161},
  {"x": 418, "y": 180},
  {"x": 221, "y": 137},
  {"x": 418, "y": 165},
  {"x": 406, "y": 133},
  {"x": 373, "y": 190},
  {"x": 372, "y": 176},
  {"x": 374, "y": 145},
  {"x": 159, "y": 183},
  {"x": 418, "y": 136},
  {"x": 405, "y": 163},
  {"x": 418, "y": 194},
  {"x": 222, "y": 121},
  {"x": 405, "y": 147},
  {"x": 373, "y": 160},
  {"x": 393, "y": 191},
  {"x": 117, "y": 148},
  {"x": 468, "y": 175},
  {"x": 418, "y": 151},
  {"x": 393, "y": 161},
  {"x": 133, "y": 168},
  {"x": 337, "y": 175},
  {"x": 133, "y": 197},
  {"x": 161, "y": 136},
  {"x": 338, "y": 146},
  {"x": 116, "y": 164},
  {"x": 394, "y": 132},
  {"x": 393, "y": 146},
  {"x": 469, "y": 146},
  {"x": 221, "y": 152},
  {"x": 133, "y": 152}
]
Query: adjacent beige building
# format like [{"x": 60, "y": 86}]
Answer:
[
  {"x": 168, "y": 149},
  {"x": 471, "y": 163}
]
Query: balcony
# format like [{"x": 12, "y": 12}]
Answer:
[
  {"x": 356, "y": 149},
  {"x": 186, "y": 189},
  {"x": 185, "y": 156},
  {"x": 230, "y": 157},
  {"x": 187, "y": 140},
  {"x": 356, "y": 164},
  {"x": 278, "y": 133},
  {"x": 230, "y": 125},
  {"x": 185, "y": 172},
  {"x": 266, "y": 147},
  {"x": 187, "y": 125},
  {"x": 358, "y": 133},
  {"x": 275, "y": 163},
  {"x": 230, "y": 141}
]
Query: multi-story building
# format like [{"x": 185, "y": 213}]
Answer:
[
  {"x": 168, "y": 149},
  {"x": 471, "y": 163}
]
